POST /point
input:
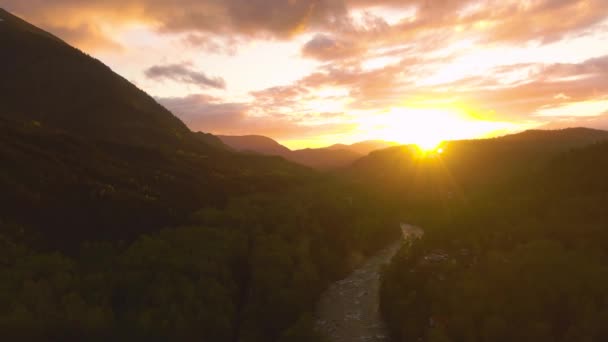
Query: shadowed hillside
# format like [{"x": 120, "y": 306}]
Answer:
[
  {"x": 55, "y": 85},
  {"x": 82, "y": 189}
]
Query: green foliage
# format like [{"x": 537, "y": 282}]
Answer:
[
  {"x": 93, "y": 190},
  {"x": 250, "y": 271},
  {"x": 526, "y": 260}
]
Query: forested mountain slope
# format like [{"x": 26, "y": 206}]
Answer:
[
  {"x": 69, "y": 189},
  {"x": 526, "y": 260}
]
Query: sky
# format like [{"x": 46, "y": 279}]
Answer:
[{"x": 310, "y": 73}]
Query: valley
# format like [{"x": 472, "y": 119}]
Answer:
[{"x": 122, "y": 220}]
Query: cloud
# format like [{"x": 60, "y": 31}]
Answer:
[
  {"x": 212, "y": 44},
  {"x": 323, "y": 47},
  {"x": 554, "y": 84},
  {"x": 496, "y": 20},
  {"x": 544, "y": 86},
  {"x": 281, "y": 97},
  {"x": 183, "y": 73},
  {"x": 210, "y": 114},
  {"x": 547, "y": 21},
  {"x": 85, "y": 36},
  {"x": 205, "y": 113},
  {"x": 592, "y": 67},
  {"x": 250, "y": 18},
  {"x": 537, "y": 86}
]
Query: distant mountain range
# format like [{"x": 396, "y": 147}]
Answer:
[{"x": 332, "y": 157}]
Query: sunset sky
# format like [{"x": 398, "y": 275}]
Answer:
[{"x": 311, "y": 73}]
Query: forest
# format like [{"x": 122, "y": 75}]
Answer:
[
  {"x": 524, "y": 260},
  {"x": 250, "y": 271}
]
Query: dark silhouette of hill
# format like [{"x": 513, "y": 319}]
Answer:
[
  {"x": 210, "y": 139},
  {"x": 559, "y": 138},
  {"x": 327, "y": 158},
  {"x": 47, "y": 81},
  {"x": 256, "y": 144}
]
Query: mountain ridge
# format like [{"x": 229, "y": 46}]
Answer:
[
  {"x": 325, "y": 158},
  {"x": 75, "y": 92}
]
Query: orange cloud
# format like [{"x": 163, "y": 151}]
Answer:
[
  {"x": 262, "y": 18},
  {"x": 417, "y": 39},
  {"x": 541, "y": 20},
  {"x": 209, "y": 114}
]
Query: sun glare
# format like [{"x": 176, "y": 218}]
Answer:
[
  {"x": 427, "y": 145},
  {"x": 428, "y": 128}
]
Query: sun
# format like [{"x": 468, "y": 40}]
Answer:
[
  {"x": 427, "y": 127},
  {"x": 427, "y": 145}
]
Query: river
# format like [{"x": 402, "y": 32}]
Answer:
[{"x": 349, "y": 310}]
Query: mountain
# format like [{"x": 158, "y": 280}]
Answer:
[
  {"x": 364, "y": 147},
  {"x": 559, "y": 138},
  {"x": 318, "y": 158},
  {"x": 328, "y": 158},
  {"x": 255, "y": 143},
  {"x": 48, "y": 82},
  {"x": 96, "y": 158}
]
